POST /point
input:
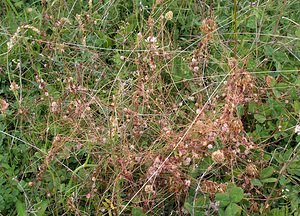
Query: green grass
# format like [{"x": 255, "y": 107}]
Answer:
[{"x": 149, "y": 107}]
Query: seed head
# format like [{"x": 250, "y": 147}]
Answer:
[
  {"x": 218, "y": 156},
  {"x": 3, "y": 105},
  {"x": 169, "y": 15}
]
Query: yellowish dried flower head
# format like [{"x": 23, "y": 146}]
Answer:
[
  {"x": 149, "y": 189},
  {"x": 208, "y": 25},
  {"x": 218, "y": 156},
  {"x": 251, "y": 170},
  {"x": 14, "y": 86},
  {"x": 169, "y": 15},
  {"x": 3, "y": 105}
]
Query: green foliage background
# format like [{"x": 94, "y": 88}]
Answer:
[{"x": 268, "y": 44}]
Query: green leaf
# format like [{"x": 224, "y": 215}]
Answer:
[
  {"x": 236, "y": 194},
  {"x": 233, "y": 210},
  {"x": 198, "y": 208},
  {"x": 180, "y": 70},
  {"x": 269, "y": 50},
  {"x": 137, "y": 212},
  {"x": 276, "y": 93},
  {"x": 297, "y": 106},
  {"x": 41, "y": 208},
  {"x": 288, "y": 154},
  {"x": 266, "y": 172},
  {"x": 284, "y": 211},
  {"x": 256, "y": 182},
  {"x": 269, "y": 180},
  {"x": 21, "y": 210},
  {"x": 223, "y": 198},
  {"x": 240, "y": 110},
  {"x": 221, "y": 212},
  {"x": 186, "y": 205},
  {"x": 19, "y": 4},
  {"x": 284, "y": 181},
  {"x": 251, "y": 22},
  {"x": 252, "y": 107},
  {"x": 260, "y": 118},
  {"x": 294, "y": 168}
]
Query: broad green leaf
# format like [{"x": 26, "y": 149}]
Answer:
[
  {"x": 180, "y": 70},
  {"x": 297, "y": 106},
  {"x": 198, "y": 209},
  {"x": 260, "y": 118},
  {"x": 223, "y": 198},
  {"x": 284, "y": 181},
  {"x": 186, "y": 205},
  {"x": 233, "y": 210},
  {"x": 279, "y": 212},
  {"x": 287, "y": 154},
  {"x": 236, "y": 194},
  {"x": 137, "y": 212},
  {"x": 252, "y": 107},
  {"x": 20, "y": 207},
  {"x": 269, "y": 180},
  {"x": 251, "y": 22},
  {"x": 266, "y": 172},
  {"x": 294, "y": 168},
  {"x": 256, "y": 182},
  {"x": 276, "y": 93},
  {"x": 41, "y": 208},
  {"x": 269, "y": 50},
  {"x": 221, "y": 212}
]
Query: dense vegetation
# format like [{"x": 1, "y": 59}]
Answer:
[{"x": 166, "y": 107}]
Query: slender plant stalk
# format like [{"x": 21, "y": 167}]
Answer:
[{"x": 235, "y": 27}]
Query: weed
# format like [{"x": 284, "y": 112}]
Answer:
[{"x": 149, "y": 107}]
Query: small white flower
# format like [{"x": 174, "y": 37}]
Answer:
[
  {"x": 210, "y": 146},
  {"x": 187, "y": 183},
  {"x": 151, "y": 39},
  {"x": 187, "y": 161},
  {"x": 191, "y": 98},
  {"x": 297, "y": 129},
  {"x": 196, "y": 69}
]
